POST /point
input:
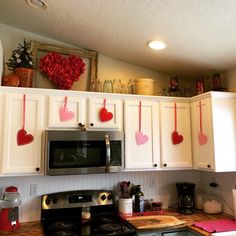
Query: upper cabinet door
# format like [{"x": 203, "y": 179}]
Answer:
[
  {"x": 105, "y": 114},
  {"x": 175, "y": 135},
  {"x": 142, "y": 138},
  {"x": 202, "y": 134},
  {"x": 65, "y": 111},
  {"x": 23, "y": 124}
]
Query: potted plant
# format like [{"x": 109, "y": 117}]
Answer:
[{"x": 21, "y": 63}]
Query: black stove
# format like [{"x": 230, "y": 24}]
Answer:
[{"x": 61, "y": 214}]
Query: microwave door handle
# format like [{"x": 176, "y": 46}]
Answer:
[{"x": 108, "y": 153}]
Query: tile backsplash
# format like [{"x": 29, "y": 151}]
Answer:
[{"x": 159, "y": 185}]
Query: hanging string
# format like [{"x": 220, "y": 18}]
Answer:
[
  {"x": 65, "y": 102},
  {"x": 200, "y": 114},
  {"x": 140, "y": 115},
  {"x": 24, "y": 101},
  {"x": 104, "y": 102},
  {"x": 175, "y": 117}
]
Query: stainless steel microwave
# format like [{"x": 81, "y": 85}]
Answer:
[{"x": 72, "y": 152}]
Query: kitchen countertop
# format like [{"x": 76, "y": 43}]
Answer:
[{"x": 35, "y": 228}]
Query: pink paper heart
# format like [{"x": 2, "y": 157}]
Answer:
[
  {"x": 24, "y": 138},
  {"x": 202, "y": 138},
  {"x": 177, "y": 138},
  {"x": 140, "y": 138},
  {"x": 105, "y": 115},
  {"x": 65, "y": 114}
]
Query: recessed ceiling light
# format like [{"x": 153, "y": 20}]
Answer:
[
  {"x": 157, "y": 45},
  {"x": 38, "y": 4}
]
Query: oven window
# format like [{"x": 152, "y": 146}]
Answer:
[{"x": 73, "y": 154}]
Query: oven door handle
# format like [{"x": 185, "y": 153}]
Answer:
[{"x": 108, "y": 153}]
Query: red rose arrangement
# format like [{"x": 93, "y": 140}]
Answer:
[{"x": 62, "y": 71}]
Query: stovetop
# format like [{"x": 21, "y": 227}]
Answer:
[{"x": 61, "y": 214}]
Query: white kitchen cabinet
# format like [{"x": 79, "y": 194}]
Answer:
[
  {"x": 112, "y": 112},
  {"x": 175, "y": 135},
  {"x": 213, "y": 119},
  {"x": 69, "y": 112},
  {"x": 1, "y": 125},
  {"x": 22, "y": 157},
  {"x": 145, "y": 155},
  {"x": 66, "y": 111}
]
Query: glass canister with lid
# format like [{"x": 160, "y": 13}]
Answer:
[{"x": 212, "y": 203}]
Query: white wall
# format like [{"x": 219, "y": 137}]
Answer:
[
  {"x": 108, "y": 68},
  {"x": 164, "y": 189}
]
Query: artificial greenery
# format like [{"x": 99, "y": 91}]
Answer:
[{"x": 21, "y": 57}]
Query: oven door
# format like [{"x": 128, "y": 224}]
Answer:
[{"x": 81, "y": 152}]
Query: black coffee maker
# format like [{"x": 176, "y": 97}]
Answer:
[{"x": 186, "y": 203}]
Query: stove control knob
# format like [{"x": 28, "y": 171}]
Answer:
[
  {"x": 103, "y": 197},
  {"x": 54, "y": 200},
  {"x": 109, "y": 197},
  {"x": 47, "y": 201}
]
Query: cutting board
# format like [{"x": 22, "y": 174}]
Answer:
[{"x": 157, "y": 221}]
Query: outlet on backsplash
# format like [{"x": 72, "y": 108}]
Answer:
[{"x": 33, "y": 189}]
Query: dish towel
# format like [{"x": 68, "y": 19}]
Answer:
[{"x": 219, "y": 225}]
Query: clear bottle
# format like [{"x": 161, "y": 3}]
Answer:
[
  {"x": 117, "y": 86},
  {"x": 131, "y": 86},
  {"x": 93, "y": 86},
  {"x": 98, "y": 86},
  {"x": 107, "y": 86},
  {"x": 138, "y": 200}
]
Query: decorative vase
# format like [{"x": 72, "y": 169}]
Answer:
[{"x": 26, "y": 76}]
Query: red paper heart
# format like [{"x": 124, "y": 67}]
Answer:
[
  {"x": 177, "y": 138},
  {"x": 24, "y": 138},
  {"x": 105, "y": 115}
]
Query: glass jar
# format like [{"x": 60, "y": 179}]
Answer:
[
  {"x": 131, "y": 86},
  {"x": 98, "y": 86},
  {"x": 200, "y": 85},
  {"x": 173, "y": 83},
  {"x": 212, "y": 203},
  {"x": 107, "y": 86},
  {"x": 216, "y": 82},
  {"x": 117, "y": 86}
]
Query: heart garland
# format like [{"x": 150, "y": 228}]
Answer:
[
  {"x": 139, "y": 136},
  {"x": 22, "y": 137},
  {"x": 202, "y": 138},
  {"x": 64, "y": 112},
  {"x": 104, "y": 114},
  {"x": 176, "y": 137}
]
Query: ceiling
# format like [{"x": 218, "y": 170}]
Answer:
[{"x": 200, "y": 34}]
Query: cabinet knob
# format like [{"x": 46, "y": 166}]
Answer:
[
  {"x": 91, "y": 124},
  {"x": 82, "y": 127},
  {"x": 208, "y": 166},
  {"x": 155, "y": 165},
  {"x": 165, "y": 165},
  {"x": 37, "y": 169}
]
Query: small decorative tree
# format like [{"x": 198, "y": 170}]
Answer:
[{"x": 21, "y": 57}]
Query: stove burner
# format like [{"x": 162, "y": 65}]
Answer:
[
  {"x": 109, "y": 227},
  {"x": 64, "y": 233},
  {"x": 64, "y": 225}
]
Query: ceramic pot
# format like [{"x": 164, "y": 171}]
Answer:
[
  {"x": 126, "y": 205},
  {"x": 26, "y": 76}
]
